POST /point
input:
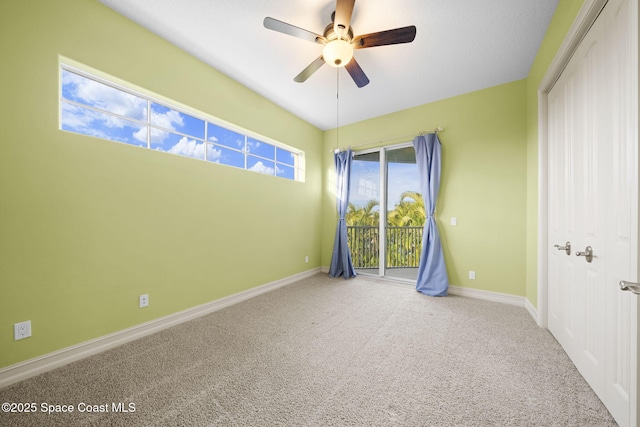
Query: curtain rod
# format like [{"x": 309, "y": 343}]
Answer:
[{"x": 422, "y": 132}]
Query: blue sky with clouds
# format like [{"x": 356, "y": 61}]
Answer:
[
  {"x": 365, "y": 181},
  {"x": 170, "y": 131}
]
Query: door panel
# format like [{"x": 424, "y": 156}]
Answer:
[
  {"x": 404, "y": 214},
  {"x": 594, "y": 127},
  {"x": 363, "y": 213},
  {"x": 563, "y": 284}
]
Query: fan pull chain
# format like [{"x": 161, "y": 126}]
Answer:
[{"x": 337, "y": 107}]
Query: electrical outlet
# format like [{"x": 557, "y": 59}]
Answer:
[
  {"x": 472, "y": 275},
  {"x": 454, "y": 221},
  {"x": 22, "y": 330},
  {"x": 306, "y": 259},
  {"x": 144, "y": 300}
]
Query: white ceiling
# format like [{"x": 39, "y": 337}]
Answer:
[{"x": 460, "y": 46}]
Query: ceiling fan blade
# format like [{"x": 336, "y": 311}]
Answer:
[
  {"x": 382, "y": 38},
  {"x": 292, "y": 30},
  {"x": 311, "y": 68},
  {"x": 356, "y": 73},
  {"x": 342, "y": 20}
]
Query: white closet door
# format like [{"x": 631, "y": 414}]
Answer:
[
  {"x": 621, "y": 388},
  {"x": 579, "y": 122},
  {"x": 563, "y": 293},
  {"x": 593, "y": 203}
]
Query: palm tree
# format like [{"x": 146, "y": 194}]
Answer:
[
  {"x": 363, "y": 216},
  {"x": 403, "y": 244},
  {"x": 363, "y": 240},
  {"x": 408, "y": 213},
  {"x": 404, "y": 233}
]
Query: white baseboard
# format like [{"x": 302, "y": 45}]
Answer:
[
  {"x": 474, "y": 293},
  {"x": 29, "y": 368},
  {"x": 487, "y": 295},
  {"x": 533, "y": 312}
]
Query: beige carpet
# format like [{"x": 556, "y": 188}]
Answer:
[{"x": 328, "y": 352}]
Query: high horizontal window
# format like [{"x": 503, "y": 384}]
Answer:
[{"x": 93, "y": 106}]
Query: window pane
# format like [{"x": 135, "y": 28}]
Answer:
[
  {"x": 89, "y": 92},
  {"x": 225, "y": 156},
  {"x": 365, "y": 180},
  {"x": 260, "y": 165},
  {"x": 177, "y": 144},
  {"x": 226, "y": 137},
  {"x": 285, "y": 156},
  {"x": 89, "y": 122},
  {"x": 402, "y": 177},
  {"x": 174, "y": 120},
  {"x": 285, "y": 171},
  {"x": 261, "y": 149}
]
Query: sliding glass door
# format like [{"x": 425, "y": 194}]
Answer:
[
  {"x": 386, "y": 212},
  {"x": 405, "y": 214},
  {"x": 363, "y": 213}
]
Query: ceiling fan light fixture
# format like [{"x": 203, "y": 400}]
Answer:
[{"x": 337, "y": 53}]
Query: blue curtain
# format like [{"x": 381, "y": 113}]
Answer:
[
  {"x": 432, "y": 273},
  {"x": 341, "y": 264}
]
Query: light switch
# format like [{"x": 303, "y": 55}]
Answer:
[{"x": 454, "y": 221}]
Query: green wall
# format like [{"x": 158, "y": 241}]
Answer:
[
  {"x": 483, "y": 181},
  {"x": 88, "y": 225},
  {"x": 563, "y": 17}
]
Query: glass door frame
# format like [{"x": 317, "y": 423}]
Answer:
[{"x": 383, "y": 186}]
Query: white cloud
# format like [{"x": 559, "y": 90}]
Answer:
[
  {"x": 80, "y": 123},
  {"x": 75, "y": 117},
  {"x": 93, "y": 123},
  {"x": 188, "y": 147},
  {"x": 79, "y": 117},
  {"x": 141, "y": 135},
  {"x": 213, "y": 154},
  {"x": 157, "y": 136},
  {"x": 167, "y": 120},
  {"x": 260, "y": 167},
  {"x": 104, "y": 97}
]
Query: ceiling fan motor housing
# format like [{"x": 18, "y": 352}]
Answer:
[{"x": 330, "y": 34}]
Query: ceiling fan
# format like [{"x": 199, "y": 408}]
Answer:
[{"x": 339, "y": 41}]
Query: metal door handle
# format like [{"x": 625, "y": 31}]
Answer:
[
  {"x": 630, "y": 286},
  {"x": 566, "y": 248},
  {"x": 587, "y": 254}
]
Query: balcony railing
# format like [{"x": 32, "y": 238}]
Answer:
[{"x": 403, "y": 247}]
